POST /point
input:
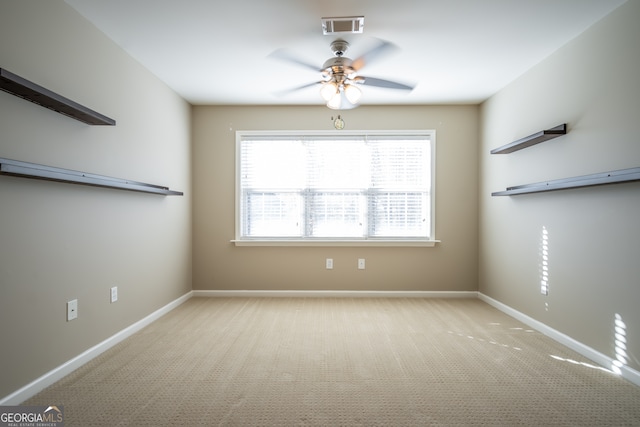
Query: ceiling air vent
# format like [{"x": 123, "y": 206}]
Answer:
[{"x": 345, "y": 24}]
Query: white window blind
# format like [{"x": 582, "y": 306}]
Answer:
[{"x": 327, "y": 186}]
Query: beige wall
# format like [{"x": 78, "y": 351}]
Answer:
[
  {"x": 594, "y": 233},
  {"x": 450, "y": 266},
  {"x": 61, "y": 241}
]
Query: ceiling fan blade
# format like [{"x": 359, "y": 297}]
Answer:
[
  {"x": 285, "y": 55},
  {"x": 297, "y": 88},
  {"x": 371, "y": 81},
  {"x": 381, "y": 47}
]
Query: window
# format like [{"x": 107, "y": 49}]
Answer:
[{"x": 335, "y": 188}]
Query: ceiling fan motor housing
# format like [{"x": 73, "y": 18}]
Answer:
[{"x": 339, "y": 65}]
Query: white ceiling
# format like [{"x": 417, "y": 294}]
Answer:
[{"x": 455, "y": 51}]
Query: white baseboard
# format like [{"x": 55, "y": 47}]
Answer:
[
  {"x": 603, "y": 360},
  {"x": 338, "y": 294},
  {"x": 66, "y": 368}
]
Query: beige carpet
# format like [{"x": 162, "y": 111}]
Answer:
[{"x": 341, "y": 362}]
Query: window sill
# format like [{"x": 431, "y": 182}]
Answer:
[{"x": 370, "y": 243}]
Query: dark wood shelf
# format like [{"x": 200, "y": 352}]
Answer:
[
  {"x": 530, "y": 140},
  {"x": 30, "y": 91},
  {"x": 603, "y": 178},
  {"x": 50, "y": 173}
]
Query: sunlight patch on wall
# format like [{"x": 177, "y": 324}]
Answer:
[
  {"x": 620, "y": 344},
  {"x": 544, "y": 261}
]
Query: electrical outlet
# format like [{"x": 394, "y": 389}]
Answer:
[
  {"x": 114, "y": 294},
  {"x": 72, "y": 309},
  {"x": 361, "y": 264},
  {"x": 329, "y": 264}
]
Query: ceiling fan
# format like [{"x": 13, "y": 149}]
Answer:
[{"x": 340, "y": 75}]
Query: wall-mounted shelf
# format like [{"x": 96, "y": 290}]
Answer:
[
  {"x": 50, "y": 173},
  {"x": 530, "y": 140},
  {"x": 603, "y": 178},
  {"x": 30, "y": 91}
]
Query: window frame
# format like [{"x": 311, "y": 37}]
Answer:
[{"x": 274, "y": 241}]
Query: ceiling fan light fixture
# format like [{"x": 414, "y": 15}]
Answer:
[
  {"x": 340, "y": 101},
  {"x": 352, "y": 93},
  {"x": 328, "y": 90},
  {"x": 336, "y": 101}
]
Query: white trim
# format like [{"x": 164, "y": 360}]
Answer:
[
  {"x": 336, "y": 294},
  {"x": 310, "y": 242},
  {"x": 603, "y": 360},
  {"x": 66, "y": 368}
]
